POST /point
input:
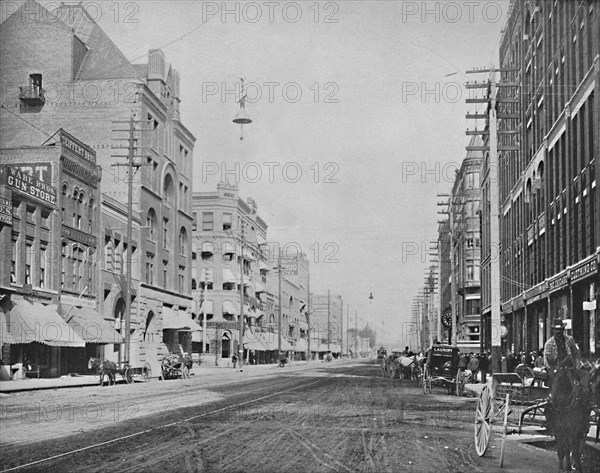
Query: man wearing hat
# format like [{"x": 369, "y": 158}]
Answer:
[{"x": 560, "y": 347}]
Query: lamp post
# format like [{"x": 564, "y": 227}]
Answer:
[{"x": 241, "y": 119}]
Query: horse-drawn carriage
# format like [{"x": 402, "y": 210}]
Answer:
[
  {"x": 176, "y": 366},
  {"x": 441, "y": 367},
  {"x": 566, "y": 410},
  {"x": 108, "y": 370},
  {"x": 397, "y": 365}
]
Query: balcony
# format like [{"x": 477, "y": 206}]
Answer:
[{"x": 32, "y": 95}]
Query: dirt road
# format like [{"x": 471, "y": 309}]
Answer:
[{"x": 341, "y": 417}]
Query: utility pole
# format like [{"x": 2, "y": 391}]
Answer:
[
  {"x": 355, "y": 331},
  {"x": 328, "y": 320},
  {"x": 309, "y": 331},
  {"x": 347, "y": 326},
  {"x": 241, "y": 317},
  {"x": 279, "y": 317},
  {"x": 125, "y": 353},
  {"x": 492, "y": 100},
  {"x": 342, "y": 327}
]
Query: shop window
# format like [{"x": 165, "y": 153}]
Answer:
[{"x": 226, "y": 222}]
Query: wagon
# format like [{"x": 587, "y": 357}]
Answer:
[
  {"x": 176, "y": 366},
  {"x": 441, "y": 367},
  {"x": 519, "y": 401}
]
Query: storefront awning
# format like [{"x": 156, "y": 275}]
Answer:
[
  {"x": 207, "y": 307},
  {"x": 178, "y": 320},
  {"x": 258, "y": 288},
  {"x": 263, "y": 267},
  {"x": 229, "y": 308},
  {"x": 255, "y": 341},
  {"x": 26, "y": 323},
  {"x": 301, "y": 344},
  {"x": 90, "y": 325},
  {"x": 229, "y": 276}
]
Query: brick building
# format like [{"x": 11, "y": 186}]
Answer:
[
  {"x": 61, "y": 70},
  {"x": 549, "y": 203}
]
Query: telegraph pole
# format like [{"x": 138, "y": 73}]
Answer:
[
  {"x": 328, "y": 320},
  {"x": 241, "y": 318},
  {"x": 492, "y": 100},
  {"x": 342, "y": 328},
  {"x": 279, "y": 317},
  {"x": 309, "y": 331}
]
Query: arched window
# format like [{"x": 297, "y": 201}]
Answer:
[
  {"x": 169, "y": 191},
  {"x": 183, "y": 241},
  {"x": 151, "y": 224},
  {"x": 149, "y": 328}
]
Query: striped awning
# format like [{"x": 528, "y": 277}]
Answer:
[
  {"x": 229, "y": 308},
  {"x": 89, "y": 324},
  {"x": 27, "y": 322},
  {"x": 178, "y": 320},
  {"x": 229, "y": 276}
]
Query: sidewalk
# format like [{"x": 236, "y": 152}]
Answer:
[{"x": 207, "y": 368}]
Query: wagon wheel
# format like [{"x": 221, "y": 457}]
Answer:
[
  {"x": 127, "y": 374},
  {"x": 460, "y": 383},
  {"x": 504, "y": 428},
  {"x": 483, "y": 421},
  {"x": 146, "y": 372},
  {"x": 426, "y": 380}
]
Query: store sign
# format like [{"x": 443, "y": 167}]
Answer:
[
  {"x": 78, "y": 301},
  {"x": 77, "y": 147},
  {"x": 584, "y": 270},
  {"x": 78, "y": 235},
  {"x": 289, "y": 266},
  {"x": 223, "y": 325},
  {"x": 558, "y": 283},
  {"x": 20, "y": 181},
  {"x": 5, "y": 211}
]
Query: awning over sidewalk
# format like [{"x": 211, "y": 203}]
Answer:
[
  {"x": 228, "y": 308},
  {"x": 178, "y": 320},
  {"x": 301, "y": 345},
  {"x": 255, "y": 341},
  {"x": 90, "y": 325},
  {"x": 26, "y": 323}
]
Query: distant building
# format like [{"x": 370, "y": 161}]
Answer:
[{"x": 326, "y": 322}]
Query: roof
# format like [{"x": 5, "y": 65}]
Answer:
[{"x": 103, "y": 59}]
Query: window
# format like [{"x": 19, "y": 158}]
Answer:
[
  {"x": 182, "y": 288},
  {"x": 149, "y": 268},
  {"x": 108, "y": 253},
  {"x": 78, "y": 269},
  {"x": 165, "y": 273},
  {"x": 63, "y": 268},
  {"x": 43, "y": 255},
  {"x": 28, "y": 258},
  {"x": 195, "y": 222},
  {"x": 207, "y": 221},
  {"x": 31, "y": 214},
  {"x": 35, "y": 82},
  {"x": 151, "y": 224},
  {"x": 182, "y": 241},
  {"x": 13, "y": 262},
  {"x": 226, "y": 222},
  {"x": 165, "y": 233}
]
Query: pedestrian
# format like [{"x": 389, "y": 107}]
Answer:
[
  {"x": 560, "y": 351},
  {"x": 483, "y": 367},
  {"x": 473, "y": 366},
  {"x": 234, "y": 360}
]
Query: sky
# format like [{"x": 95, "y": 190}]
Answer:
[{"x": 358, "y": 112}]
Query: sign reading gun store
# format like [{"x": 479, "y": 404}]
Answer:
[{"x": 20, "y": 181}]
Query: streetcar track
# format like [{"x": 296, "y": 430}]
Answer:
[{"x": 146, "y": 431}]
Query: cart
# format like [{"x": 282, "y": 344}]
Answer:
[
  {"x": 441, "y": 367},
  {"x": 519, "y": 401},
  {"x": 176, "y": 366},
  {"x": 141, "y": 373}
]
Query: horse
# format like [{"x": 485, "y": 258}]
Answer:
[
  {"x": 568, "y": 413},
  {"x": 397, "y": 365},
  {"x": 106, "y": 367}
]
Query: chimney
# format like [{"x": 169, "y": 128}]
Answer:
[{"x": 156, "y": 64}]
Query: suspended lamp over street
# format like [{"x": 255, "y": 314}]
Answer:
[{"x": 242, "y": 117}]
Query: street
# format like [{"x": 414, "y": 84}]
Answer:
[{"x": 341, "y": 416}]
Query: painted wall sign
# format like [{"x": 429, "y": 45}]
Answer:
[
  {"x": 5, "y": 211},
  {"x": 223, "y": 325},
  {"x": 77, "y": 147},
  {"x": 79, "y": 236},
  {"x": 31, "y": 186},
  {"x": 584, "y": 270},
  {"x": 558, "y": 283}
]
